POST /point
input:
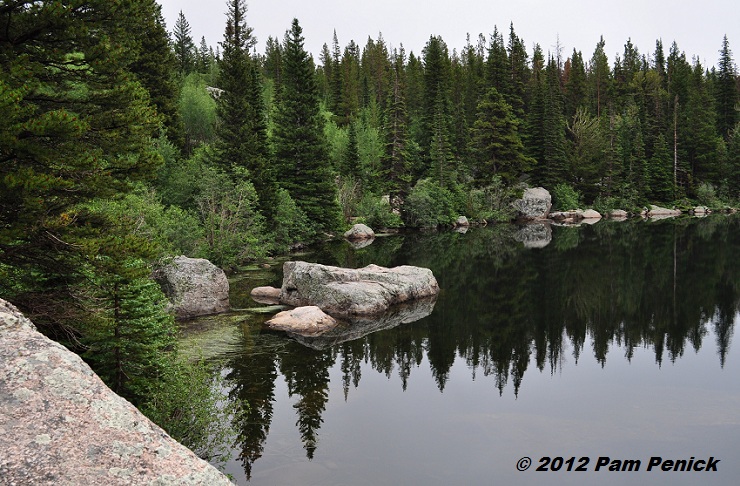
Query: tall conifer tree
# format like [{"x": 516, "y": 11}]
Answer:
[
  {"x": 301, "y": 152},
  {"x": 183, "y": 45},
  {"x": 242, "y": 133},
  {"x": 727, "y": 91}
]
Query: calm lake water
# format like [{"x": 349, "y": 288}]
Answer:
[{"x": 613, "y": 340}]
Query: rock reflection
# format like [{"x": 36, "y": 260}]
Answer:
[{"x": 360, "y": 326}]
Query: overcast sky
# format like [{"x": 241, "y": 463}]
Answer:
[{"x": 697, "y": 26}]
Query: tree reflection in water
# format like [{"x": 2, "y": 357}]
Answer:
[{"x": 658, "y": 285}]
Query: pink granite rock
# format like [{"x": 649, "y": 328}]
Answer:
[{"x": 60, "y": 424}]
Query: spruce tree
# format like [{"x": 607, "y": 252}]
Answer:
[
  {"x": 396, "y": 161},
  {"x": 183, "y": 45},
  {"x": 496, "y": 145},
  {"x": 436, "y": 86},
  {"x": 518, "y": 74},
  {"x": 242, "y": 132},
  {"x": 156, "y": 69},
  {"x": 726, "y": 91},
  {"x": 76, "y": 126},
  {"x": 301, "y": 153},
  {"x": 600, "y": 79}
]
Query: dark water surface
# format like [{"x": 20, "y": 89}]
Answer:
[{"x": 613, "y": 340}]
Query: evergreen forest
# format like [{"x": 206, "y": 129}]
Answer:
[{"x": 124, "y": 142}]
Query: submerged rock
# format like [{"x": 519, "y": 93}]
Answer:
[
  {"x": 194, "y": 286},
  {"x": 265, "y": 295},
  {"x": 343, "y": 291},
  {"x": 535, "y": 204},
  {"x": 307, "y": 320},
  {"x": 60, "y": 424}
]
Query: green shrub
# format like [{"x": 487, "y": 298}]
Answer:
[
  {"x": 491, "y": 203},
  {"x": 291, "y": 225},
  {"x": 565, "y": 197},
  {"x": 429, "y": 205},
  {"x": 377, "y": 213},
  {"x": 707, "y": 196},
  {"x": 233, "y": 228}
]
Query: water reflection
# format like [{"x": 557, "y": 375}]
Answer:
[{"x": 507, "y": 304}]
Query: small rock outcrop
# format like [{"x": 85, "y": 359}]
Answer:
[
  {"x": 265, "y": 295},
  {"x": 535, "y": 204},
  {"x": 364, "y": 291},
  {"x": 590, "y": 214},
  {"x": 701, "y": 211},
  {"x": 308, "y": 320},
  {"x": 618, "y": 214},
  {"x": 462, "y": 222},
  {"x": 60, "y": 424},
  {"x": 194, "y": 286},
  {"x": 662, "y": 212},
  {"x": 359, "y": 232}
]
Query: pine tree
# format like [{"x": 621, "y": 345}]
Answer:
[
  {"x": 301, "y": 154},
  {"x": 204, "y": 60},
  {"x": 585, "y": 149},
  {"x": 335, "y": 78},
  {"x": 350, "y": 84},
  {"x": 700, "y": 137},
  {"x": 156, "y": 70},
  {"x": 733, "y": 161},
  {"x": 518, "y": 74},
  {"x": 396, "y": 162},
  {"x": 600, "y": 79},
  {"x": 133, "y": 333},
  {"x": 727, "y": 91},
  {"x": 436, "y": 90},
  {"x": 442, "y": 168},
  {"x": 76, "y": 126},
  {"x": 498, "y": 72},
  {"x": 242, "y": 132},
  {"x": 660, "y": 170},
  {"x": 183, "y": 45},
  {"x": 273, "y": 62},
  {"x": 552, "y": 162},
  {"x": 497, "y": 147},
  {"x": 375, "y": 68},
  {"x": 575, "y": 85}
]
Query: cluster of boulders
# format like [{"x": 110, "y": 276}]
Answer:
[
  {"x": 536, "y": 204},
  {"x": 322, "y": 294}
]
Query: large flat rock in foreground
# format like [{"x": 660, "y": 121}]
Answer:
[
  {"x": 345, "y": 291},
  {"x": 60, "y": 424}
]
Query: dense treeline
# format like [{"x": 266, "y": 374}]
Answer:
[
  {"x": 122, "y": 144},
  {"x": 458, "y": 131}
]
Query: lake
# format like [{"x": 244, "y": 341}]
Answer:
[{"x": 605, "y": 345}]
